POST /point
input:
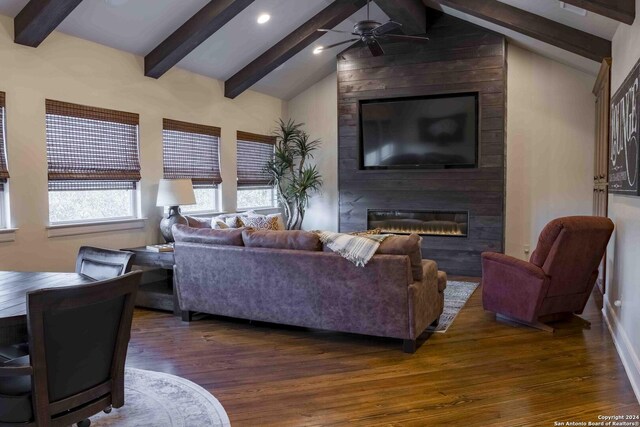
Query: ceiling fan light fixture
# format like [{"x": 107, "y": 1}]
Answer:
[
  {"x": 318, "y": 50},
  {"x": 264, "y": 18}
]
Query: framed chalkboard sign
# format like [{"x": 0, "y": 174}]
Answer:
[{"x": 624, "y": 160}]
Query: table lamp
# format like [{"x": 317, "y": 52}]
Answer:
[{"x": 173, "y": 193}]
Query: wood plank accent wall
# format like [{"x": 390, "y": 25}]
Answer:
[{"x": 461, "y": 57}]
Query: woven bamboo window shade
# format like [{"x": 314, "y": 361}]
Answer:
[
  {"x": 253, "y": 152},
  {"x": 4, "y": 170},
  {"x": 191, "y": 151},
  {"x": 91, "y": 148}
]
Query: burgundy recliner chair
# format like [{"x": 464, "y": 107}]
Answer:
[{"x": 557, "y": 280}]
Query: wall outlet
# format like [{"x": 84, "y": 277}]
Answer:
[{"x": 526, "y": 249}]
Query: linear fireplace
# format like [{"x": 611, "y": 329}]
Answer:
[{"x": 423, "y": 222}]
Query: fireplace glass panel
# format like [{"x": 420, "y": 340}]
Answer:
[{"x": 426, "y": 223}]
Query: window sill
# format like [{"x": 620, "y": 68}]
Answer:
[
  {"x": 78, "y": 228},
  {"x": 201, "y": 214},
  {"x": 8, "y": 235},
  {"x": 263, "y": 210}
]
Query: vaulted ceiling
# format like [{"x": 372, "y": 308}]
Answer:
[{"x": 222, "y": 39}]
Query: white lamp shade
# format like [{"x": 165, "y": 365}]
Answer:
[{"x": 175, "y": 192}]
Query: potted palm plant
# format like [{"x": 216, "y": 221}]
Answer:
[{"x": 295, "y": 179}]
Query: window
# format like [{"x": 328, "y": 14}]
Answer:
[
  {"x": 191, "y": 151},
  {"x": 257, "y": 197},
  {"x": 93, "y": 163},
  {"x": 4, "y": 170},
  {"x": 254, "y": 183}
]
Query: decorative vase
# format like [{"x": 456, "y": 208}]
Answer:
[{"x": 173, "y": 217}]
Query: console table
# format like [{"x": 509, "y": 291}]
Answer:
[{"x": 158, "y": 295}]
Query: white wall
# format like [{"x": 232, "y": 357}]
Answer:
[
  {"x": 317, "y": 107},
  {"x": 623, "y": 278},
  {"x": 550, "y": 142},
  {"x": 550, "y": 146},
  {"x": 69, "y": 69}
]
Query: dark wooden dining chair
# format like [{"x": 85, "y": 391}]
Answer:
[
  {"x": 78, "y": 337},
  {"x": 102, "y": 264}
]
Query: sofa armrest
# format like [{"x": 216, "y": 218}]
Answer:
[
  {"x": 511, "y": 286},
  {"x": 425, "y": 301}
]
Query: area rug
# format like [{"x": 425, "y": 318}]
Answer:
[
  {"x": 162, "y": 400},
  {"x": 456, "y": 296}
]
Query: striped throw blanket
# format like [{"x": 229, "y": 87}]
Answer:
[{"x": 357, "y": 249}]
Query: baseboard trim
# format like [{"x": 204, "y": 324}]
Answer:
[{"x": 629, "y": 358}]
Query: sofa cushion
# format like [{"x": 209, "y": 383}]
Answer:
[
  {"x": 405, "y": 245},
  {"x": 287, "y": 239},
  {"x": 231, "y": 237}
]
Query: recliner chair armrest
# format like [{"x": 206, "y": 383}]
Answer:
[
  {"x": 525, "y": 267},
  {"x": 512, "y": 287}
]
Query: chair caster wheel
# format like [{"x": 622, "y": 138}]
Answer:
[
  {"x": 108, "y": 410},
  {"x": 84, "y": 423}
]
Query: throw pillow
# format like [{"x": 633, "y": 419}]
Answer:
[
  {"x": 287, "y": 239},
  {"x": 233, "y": 222},
  {"x": 278, "y": 216},
  {"x": 230, "y": 237},
  {"x": 198, "y": 222},
  {"x": 261, "y": 222},
  {"x": 219, "y": 224},
  {"x": 279, "y": 220}
]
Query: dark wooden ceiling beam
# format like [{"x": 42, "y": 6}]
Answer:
[
  {"x": 532, "y": 25},
  {"x": 191, "y": 34},
  {"x": 39, "y": 18},
  {"x": 282, "y": 51},
  {"x": 412, "y": 14},
  {"x": 620, "y": 10}
]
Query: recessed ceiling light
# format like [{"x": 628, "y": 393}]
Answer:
[
  {"x": 264, "y": 18},
  {"x": 318, "y": 50}
]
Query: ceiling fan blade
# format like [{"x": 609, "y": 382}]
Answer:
[
  {"x": 326, "y": 30},
  {"x": 338, "y": 44},
  {"x": 387, "y": 27},
  {"x": 407, "y": 38},
  {"x": 375, "y": 48}
]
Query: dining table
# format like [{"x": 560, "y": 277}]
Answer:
[{"x": 14, "y": 287}]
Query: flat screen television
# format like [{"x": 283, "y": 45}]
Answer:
[{"x": 431, "y": 132}]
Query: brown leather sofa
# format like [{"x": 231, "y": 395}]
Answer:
[{"x": 286, "y": 277}]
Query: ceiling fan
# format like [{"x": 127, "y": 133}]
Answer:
[{"x": 371, "y": 33}]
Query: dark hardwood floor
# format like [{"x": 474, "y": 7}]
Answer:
[{"x": 479, "y": 373}]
